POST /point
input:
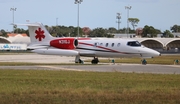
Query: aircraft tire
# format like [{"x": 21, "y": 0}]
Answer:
[{"x": 94, "y": 61}]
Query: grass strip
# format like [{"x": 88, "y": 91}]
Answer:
[
  {"x": 165, "y": 60},
  {"x": 52, "y": 86}
]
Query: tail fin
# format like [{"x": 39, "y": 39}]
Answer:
[
  {"x": 37, "y": 32},
  {"x": 39, "y": 36}
]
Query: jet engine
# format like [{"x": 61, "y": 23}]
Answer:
[{"x": 64, "y": 43}]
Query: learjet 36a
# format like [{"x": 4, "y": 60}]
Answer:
[{"x": 43, "y": 43}]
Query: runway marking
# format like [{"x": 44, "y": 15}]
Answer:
[
  {"x": 61, "y": 68},
  {"x": 175, "y": 66}
]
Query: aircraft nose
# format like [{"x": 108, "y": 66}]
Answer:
[
  {"x": 155, "y": 53},
  {"x": 150, "y": 53}
]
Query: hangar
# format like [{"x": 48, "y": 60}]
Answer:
[
  {"x": 15, "y": 39},
  {"x": 4, "y": 40},
  {"x": 161, "y": 44},
  {"x": 15, "y": 42}
]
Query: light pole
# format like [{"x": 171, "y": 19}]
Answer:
[
  {"x": 13, "y": 9},
  {"x": 128, "y": 8},
  {"x": 78, "y": 2},
  {"x": 118, "y": 17},
  {"x": 56, "y": 21}
]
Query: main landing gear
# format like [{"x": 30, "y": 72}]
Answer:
[
  {"x": 95, "y": 61},
  {"x": 78, "y": 60}
]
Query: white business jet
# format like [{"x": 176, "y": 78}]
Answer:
[{"x": 43, "y": 43}]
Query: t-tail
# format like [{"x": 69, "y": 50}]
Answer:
[{"x": 39, "y": 36}]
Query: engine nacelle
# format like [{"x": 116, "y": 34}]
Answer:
[{"x": 64, "y": 43}]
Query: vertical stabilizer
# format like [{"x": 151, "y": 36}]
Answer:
[
  {"x": 39, "y": 36},
  {"x": 38, "y": 33}
]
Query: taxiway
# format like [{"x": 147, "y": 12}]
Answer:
[{"x": 35, "y": 58}]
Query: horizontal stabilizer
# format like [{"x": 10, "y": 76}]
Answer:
[{"x": 28, "y": 24}]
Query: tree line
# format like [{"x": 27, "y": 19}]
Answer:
[{"x": 71, "y": 31}]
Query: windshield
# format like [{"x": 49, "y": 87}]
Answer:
[{"x": 134, "y": 44}]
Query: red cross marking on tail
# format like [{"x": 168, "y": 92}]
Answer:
[{"x": 40, "y": 34}]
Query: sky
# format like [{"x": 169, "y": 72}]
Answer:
[{"x": 161, "y": 14}]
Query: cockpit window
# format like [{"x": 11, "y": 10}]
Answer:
[{"x": 134, "y": 44}]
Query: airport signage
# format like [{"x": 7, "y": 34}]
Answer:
[{"x": 13, "y": 47}]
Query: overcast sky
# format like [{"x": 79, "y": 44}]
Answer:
[{"x": 161, "y": 14}]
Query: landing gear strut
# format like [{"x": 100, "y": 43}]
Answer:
[
  {"x": 95, "y": 61},
  {"x": 78, "y": 60}
]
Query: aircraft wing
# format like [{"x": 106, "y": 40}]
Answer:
[
  {"x": 88, "y": 54},
  {"x": 37, "y": 46}
]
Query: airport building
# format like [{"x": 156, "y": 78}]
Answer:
[{"x": 14, "y": 42}]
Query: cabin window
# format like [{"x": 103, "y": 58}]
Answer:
[
  {"x": 101, "y": 44},
  {"x": 112, "y": 45},
  {"x": 118, "y": 44},
  {"x": 96, "y": 44},
  {"x": 106, "y": 44},
  {"x": 134, "y": 44}
]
